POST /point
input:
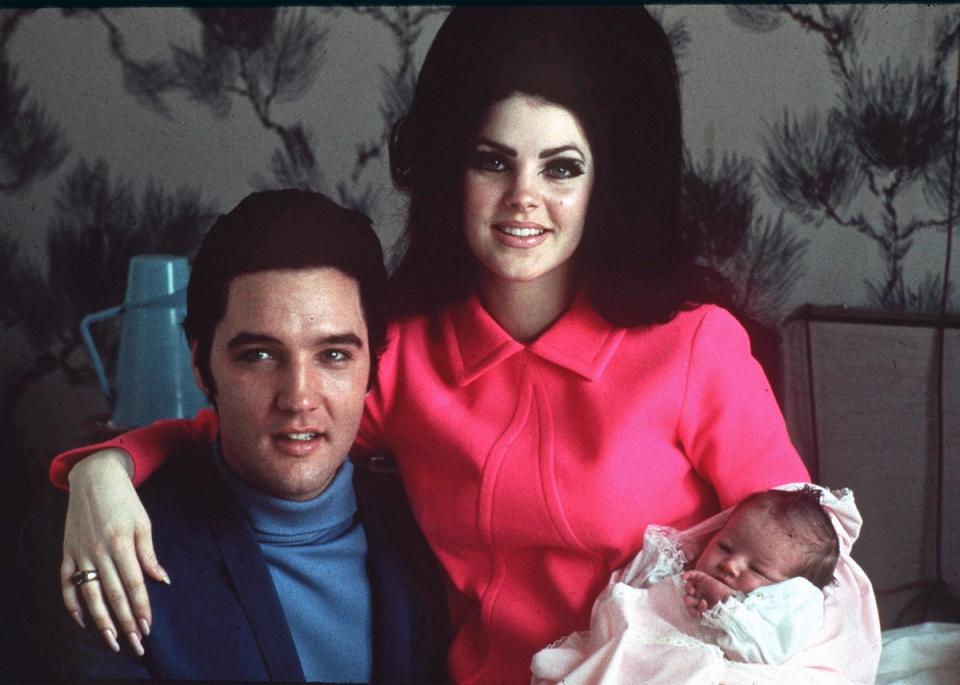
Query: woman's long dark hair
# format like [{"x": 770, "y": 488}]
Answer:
[{"x": 611, "y": 66}]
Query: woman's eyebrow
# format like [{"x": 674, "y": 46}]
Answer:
[
  {"x": 510, "y": 152},
  {"x": 499, "y": 147},
  {"x": 551, "y": 151}
]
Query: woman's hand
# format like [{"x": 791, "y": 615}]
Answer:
[{"x": 108, "y": 531}]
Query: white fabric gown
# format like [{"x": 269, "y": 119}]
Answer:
[{"x": 640, "y": 632}]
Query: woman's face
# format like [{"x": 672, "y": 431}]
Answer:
[{"x": 526, "y": 191}]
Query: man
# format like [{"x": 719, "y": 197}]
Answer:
[{"x": 281, "y": 571}]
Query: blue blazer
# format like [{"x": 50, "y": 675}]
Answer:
[{"x": 221, "y": 618}]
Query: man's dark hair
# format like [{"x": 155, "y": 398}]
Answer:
[
  {"x": 802, "y": 516},
  {"x": 284, "y": 229}
]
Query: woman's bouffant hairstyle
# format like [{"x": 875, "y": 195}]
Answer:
[
  {"x": 613, "y": 67},
  {"x": 284, "y": 229},
  {"x": 799, "y": 513}
]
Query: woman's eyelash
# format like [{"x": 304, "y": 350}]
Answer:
[
  {"x": 487, "y": 161},
  {"x": 566, "y": 167},
  {"x": 561, "y": 168}
]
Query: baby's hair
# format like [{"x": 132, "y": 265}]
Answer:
[{"x": 804, "y": 520}]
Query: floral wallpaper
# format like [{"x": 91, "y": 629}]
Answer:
[{"x": 820, "y": 156}]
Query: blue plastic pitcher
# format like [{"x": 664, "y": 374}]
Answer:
[{"x": 154, "y": 379}]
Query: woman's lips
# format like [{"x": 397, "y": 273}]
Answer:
[{"x": 520, "y": 234}]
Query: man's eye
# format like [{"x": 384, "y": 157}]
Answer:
[
  {"x": 254, "y": 355},
  {"x": 723, "y": 546},
  {"x": 336, "y": 356},
  {"x": 487, "y": 161},
  {"x": 565, "y": 168}
]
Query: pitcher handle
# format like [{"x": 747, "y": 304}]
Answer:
[{"x": 92, "y": 349}]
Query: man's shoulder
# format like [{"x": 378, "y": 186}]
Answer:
[
  {"x": 192, "y": 465},
  {"x": 407, "y": 581},
  {"x": 187, "y": 483}
]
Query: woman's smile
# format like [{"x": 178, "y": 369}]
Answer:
[{"x": 521, "y": 234}]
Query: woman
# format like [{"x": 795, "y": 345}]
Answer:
[{"x": 551, "y": 384}]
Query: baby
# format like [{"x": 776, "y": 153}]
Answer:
[
  {"x": 771, "y": 537},
  {"x": 753, "y": 594}
]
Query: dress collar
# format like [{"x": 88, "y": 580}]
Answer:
[{"x": 580, "y": 341}]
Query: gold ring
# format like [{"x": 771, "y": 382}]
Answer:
[{"x": 81, "y": 577}]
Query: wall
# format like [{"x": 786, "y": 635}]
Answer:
[
  {"x": 862, "y": 402},
  {"x": 737, "y": 84}
]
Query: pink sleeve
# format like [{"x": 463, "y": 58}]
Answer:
[
  {"x": 370, "y": 436},
  {"x": 731, "y": 426},
  {"x": 148, "y": 446}
]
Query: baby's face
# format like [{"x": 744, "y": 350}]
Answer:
[{"x": 750, "y": 551}]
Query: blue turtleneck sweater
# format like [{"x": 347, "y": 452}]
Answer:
[{"x": 316, "y": 552}]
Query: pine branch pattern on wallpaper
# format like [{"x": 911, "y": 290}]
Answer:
[
  {"x": 887, "y": 133},
  {"x": 851, "y": 166},
  {"x": 31, "y": 142}
]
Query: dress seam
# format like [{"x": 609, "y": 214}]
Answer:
[
  {"x": 686, "y": 383},
  {"x": 548, "y": 478}
]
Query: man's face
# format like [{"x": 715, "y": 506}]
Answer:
[{"x": 290, "y": 360}]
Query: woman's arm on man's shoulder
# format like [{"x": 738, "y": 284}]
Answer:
[{"x": 148, "y": 447}]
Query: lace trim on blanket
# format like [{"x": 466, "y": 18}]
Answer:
[
  {"x": 713, "y": 617},
  {"x": 577, "y": 637},
  {"x": 672, "y": 639},
  {"x": 661, "y": 557},
  {"x": 667, "y": 541}
]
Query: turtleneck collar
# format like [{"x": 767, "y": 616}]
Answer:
[{"x": 280, "y": 521}]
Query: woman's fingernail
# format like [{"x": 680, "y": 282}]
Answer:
[
  {"x": 144, "y": 626},
  {"x": 111, "y": 639},
  {"x": 78, "y": 618},
  {"x": 135, "y": 641},
  {"x": 166, "y": 576}
]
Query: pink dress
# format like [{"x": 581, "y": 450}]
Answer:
[{"x": 534, "y": 469}]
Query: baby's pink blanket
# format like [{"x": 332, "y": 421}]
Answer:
[{"x": 644, "y": 635}]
